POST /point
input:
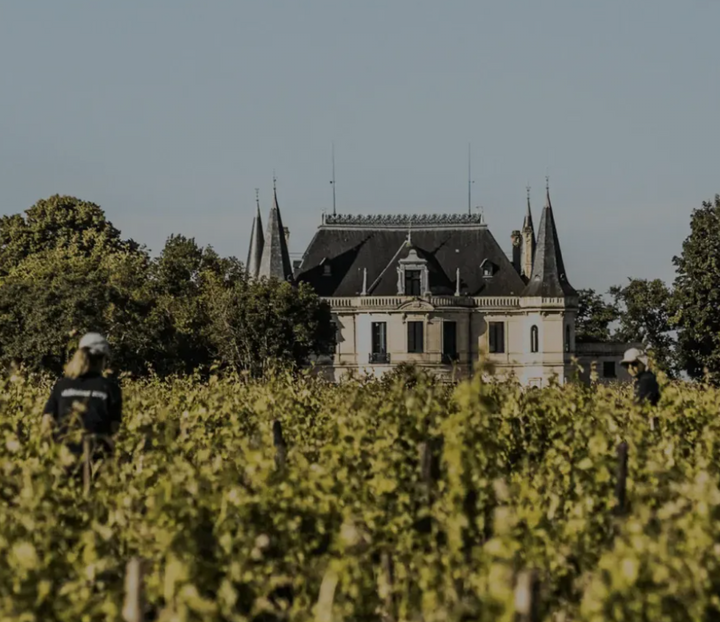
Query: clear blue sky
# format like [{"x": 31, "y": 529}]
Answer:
[{"x": 170, "y": 113}]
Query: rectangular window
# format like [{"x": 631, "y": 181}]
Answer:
[
  {"x": 496, "y": 337},
  {"x": 449, "y": 337},
  {"x": 379, "y": 337},
  {"x": 415, "y": 337},
  {"x": 449, "y": 342},
  {"x": 609, "y": 369},
  {"x": 412, "y": 283}
]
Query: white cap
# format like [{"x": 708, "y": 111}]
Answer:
[
  {"x": 95, "y": 343},
  {"x": 633, "y": 355}
]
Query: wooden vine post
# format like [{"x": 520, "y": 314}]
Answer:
[
  {"x": 621, "y": 482},
  {"x": 527, "y": 597},
  {"x": 385, "y": 586},
  {"x": 87, "y": 465},
  {"x": 134, "y": 598}
]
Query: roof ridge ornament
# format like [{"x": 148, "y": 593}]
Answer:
[
  {"x": 404, "y": 220},
  {"x": 548, "y": 204}
]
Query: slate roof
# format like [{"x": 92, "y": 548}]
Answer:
[
  {"x": 348, "y": 244},
  {"x": 528, "y": 221},
  {"x": 257, "y": 242},
  {"x": 275, "y": 260},
  {"x": 548, "y": 278}
]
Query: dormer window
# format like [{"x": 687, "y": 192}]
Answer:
[
  {"x": 413, "y": 286},
  {"x": 325, "y": 266},
  {"x": 413, "y": 277},
  {"x": 487, "y": 268}
]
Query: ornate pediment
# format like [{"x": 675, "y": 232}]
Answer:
[{"x": 416, "y": 305}]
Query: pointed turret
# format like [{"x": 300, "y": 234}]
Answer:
[
  {"x": 275, "y": 261},
  {"x": 257, "y": 242},
  {"x": 548, "y": 275},
  {"x": 528, "y": 241}
]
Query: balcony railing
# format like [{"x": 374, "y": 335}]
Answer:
[
  {"x": 393, "y": 302},
  {"x": 379, "y": 357}
]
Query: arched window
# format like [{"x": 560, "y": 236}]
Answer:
[
  {"x": 534, "y": 339},
  {"x": 567, "y": 337}
]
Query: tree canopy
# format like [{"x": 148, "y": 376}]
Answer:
[
  {"x": 645, "y": 316},
  {"x": 65, "y": 270},
  {"x": 696, "y": 299},
  {"x": 594, "y": 317}
]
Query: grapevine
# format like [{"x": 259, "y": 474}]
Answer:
[{"x": 393, "y": 500}]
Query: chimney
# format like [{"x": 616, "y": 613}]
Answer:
[{"x": 516, "y": 237}]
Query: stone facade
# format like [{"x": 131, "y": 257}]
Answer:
[
  {"x": 438, "y": 291},
  {"x": 525, "y": 338}
]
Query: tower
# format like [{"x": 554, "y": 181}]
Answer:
[
  {"x": 257, "y": 242},
  {"x": 275, "y": 260},
  {"x": 528, "y": 242},
  {"x": 548, "y": 278}
]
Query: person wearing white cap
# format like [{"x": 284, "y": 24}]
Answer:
[
  {"x": 86, "y": 392},
  {"x": 646, "y": 385}
]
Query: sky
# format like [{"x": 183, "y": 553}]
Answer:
[{"x": 168, "y": 114}]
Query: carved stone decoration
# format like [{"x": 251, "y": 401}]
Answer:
[{"x": 416, "y": 305}]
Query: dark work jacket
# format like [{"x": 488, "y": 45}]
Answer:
[
  {"x": 98, "y": 399},
  {"x": 646, "y": 388}
]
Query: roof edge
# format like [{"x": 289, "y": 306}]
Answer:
[{"x": 402, "y": 220}]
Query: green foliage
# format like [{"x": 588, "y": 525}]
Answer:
[
  {"x": 55, "y": 223},
  {"x": 645, "y": 314},
  {"x": 261, "y": 323},
  {"x": 516, "y": 480},
  {"x": 52, "y": 295},
  {"x": 594, "y": 317},
  {"x": 64, "y": 270},
  {"x": 696, "y": 298}
]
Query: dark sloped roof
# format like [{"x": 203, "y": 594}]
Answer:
[
  {"x": 350, "y": 244},
  {"x": 257, "y": 242},
  {"x": 440, "y": 283},
  {"x": 548, "y": 278},
  {"x": 275, "y": 260}
]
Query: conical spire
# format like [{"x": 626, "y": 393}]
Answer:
[
  {"x": 257, "y": 242},
  {"x": 275, "y": 261},
  {"x": 528, "y": 241},
  {"x": 528, "y": 221},
  {"x": 548, "y": 275}
]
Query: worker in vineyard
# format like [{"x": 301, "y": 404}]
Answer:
[
  {"x": 646, "y": 385},
  {"x": 85, "y": 395}
]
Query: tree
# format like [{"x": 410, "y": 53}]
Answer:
[
  {"x": 594, "y": 317},
  {"x": 53, "y": 296},
  {"x": 256, "y": 323},
  {"x": 57, "y": 222},
  {"x": 696, "y": 299},
  {"x": 644, "y": 314},
  {"x": 65, "y": 270}
]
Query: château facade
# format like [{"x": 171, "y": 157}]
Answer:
[{"x": 438, "y": 291}]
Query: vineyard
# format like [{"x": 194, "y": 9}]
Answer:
[{"x": 292, "y": 499}]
